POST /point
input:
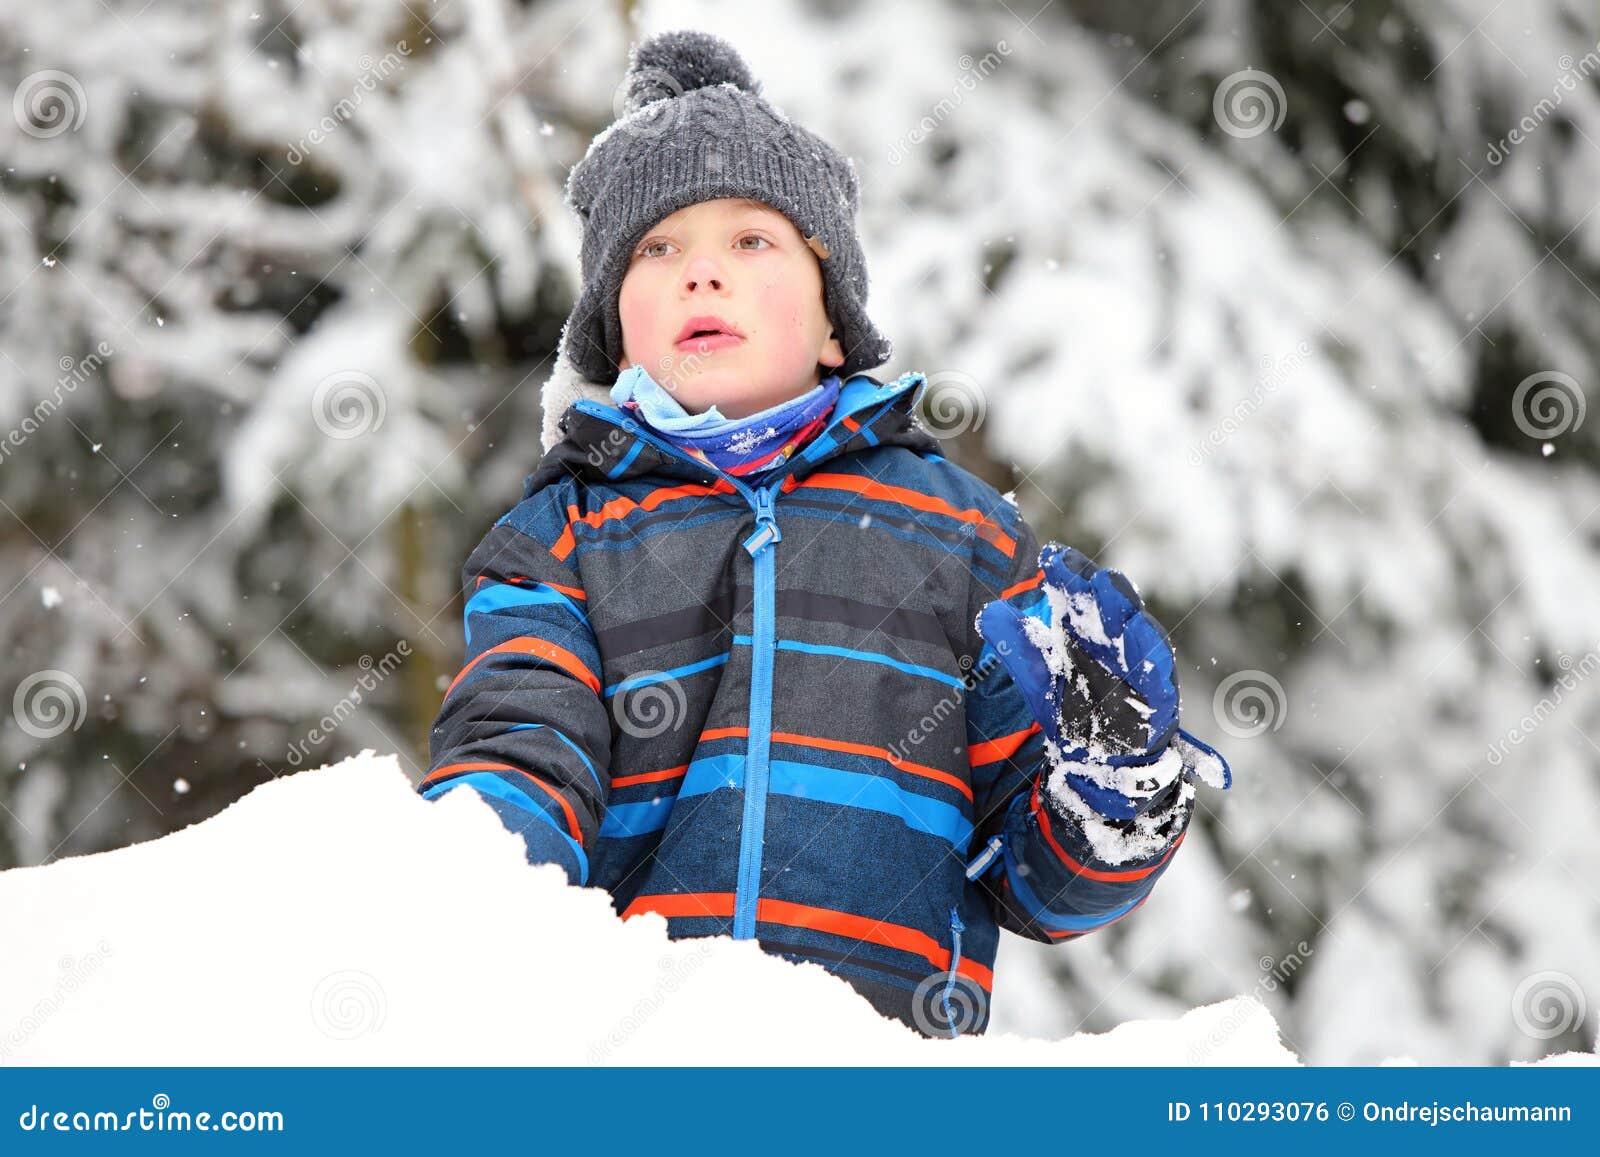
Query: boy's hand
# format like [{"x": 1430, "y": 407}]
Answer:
[{"x": 1101, "y": 682}]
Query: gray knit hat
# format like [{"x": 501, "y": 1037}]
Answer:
[{"x": 693, "y": 127}]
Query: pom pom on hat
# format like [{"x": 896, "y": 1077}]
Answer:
[{"x": 672, "y": 63}]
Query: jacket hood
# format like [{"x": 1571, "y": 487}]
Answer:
[{"x": 564, "y": 386}]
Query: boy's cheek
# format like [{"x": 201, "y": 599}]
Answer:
[
  {"x": 787, "y": 317},
  {"x": 639, "y": 316}
]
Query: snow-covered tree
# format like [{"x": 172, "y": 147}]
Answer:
[{"x": 1290, "y": 312}]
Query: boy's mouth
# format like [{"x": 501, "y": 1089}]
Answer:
[{"x": 706, "y": 333}]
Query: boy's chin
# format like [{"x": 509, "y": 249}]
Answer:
[
  {"x": 697, "y": 387},
  {"x": 676, "y": 366}
]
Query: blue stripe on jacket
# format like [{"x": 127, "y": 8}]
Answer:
[
  {"x": 803, "y": 781},
  {"x": 493, "y": 597}
]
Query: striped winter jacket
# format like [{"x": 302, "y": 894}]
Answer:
[{"x": 765, "y": 710}]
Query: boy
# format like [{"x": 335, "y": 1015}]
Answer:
[{"x": 750, "y": 653}]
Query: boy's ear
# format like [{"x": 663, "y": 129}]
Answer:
[{"x": 832, "y": 354}]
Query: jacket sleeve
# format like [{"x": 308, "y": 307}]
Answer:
[
  {"x": 524, "y": 724},
  {"x": 1051, "y": 868}
]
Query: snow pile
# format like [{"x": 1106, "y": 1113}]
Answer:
[{"x": 334, "y": 916}]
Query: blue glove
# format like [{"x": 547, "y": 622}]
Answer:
[{"x": 1101, "y": 682}]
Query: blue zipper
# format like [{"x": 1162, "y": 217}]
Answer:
[
  {"x": 956, "y": 928},
  {"x": 764, "y": 631},
  {"x": 764, "y": 645},
  {"x": 764, "y": 642}
]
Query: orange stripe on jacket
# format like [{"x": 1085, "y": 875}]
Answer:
[
  {"x": 683, "y": 904},
  {"x": 1025, "y": 584},
  {"x": 454, "y": 768},
  {"x": 815, "y": 741},
  {"x": 650, "y": 776},
  {"x": 682, "y": 768},
  {"x": 794, "y": 915},
  {"x": 566, "y": 807},
  {"x": 1004, "y": 747},
  {"x": 622, "y": 507},
  {"x": 915, "y": 499},
  {"x": 882, "y": 753},
  {"x": 529, "y": 645},
  {"x": 872, "y": 931},
  {"x": 521, "y": 580}
]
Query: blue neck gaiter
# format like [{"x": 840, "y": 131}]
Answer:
[{"x": 737, "y": 445}]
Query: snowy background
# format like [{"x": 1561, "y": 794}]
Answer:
[{"x": 1288, "y": 310}]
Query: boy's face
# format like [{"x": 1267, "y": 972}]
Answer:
[{"x": 745, "y": 265}]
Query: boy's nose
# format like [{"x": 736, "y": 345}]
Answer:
[{"x": 702, "y": 273}]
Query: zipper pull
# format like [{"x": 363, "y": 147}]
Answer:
[
  {"x": 766, "y": 531},
  {"x": 983, "y": 859}
]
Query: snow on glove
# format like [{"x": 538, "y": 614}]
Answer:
[{"x": 1098, "y": 673}]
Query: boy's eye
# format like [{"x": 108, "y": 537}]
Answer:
[{"x": 654, "y": 248}]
